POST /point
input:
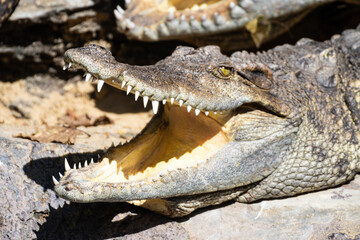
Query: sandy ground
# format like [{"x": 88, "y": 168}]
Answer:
[{"x": 33, "y": 105}]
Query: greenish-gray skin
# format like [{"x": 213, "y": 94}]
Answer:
[
  {"x": 230, "y": 24},
  {"x": 291, "y": 116}
]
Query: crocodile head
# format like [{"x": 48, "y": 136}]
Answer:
[
  {"x": 152, "y": 20},
  {"x": 222, "y": 125}
]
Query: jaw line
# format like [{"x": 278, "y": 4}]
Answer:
[{"x": 152, "y": 155}]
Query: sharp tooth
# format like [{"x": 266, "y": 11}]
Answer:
[
  {"x": 120, "y": 9},
  {"x": 67, "y": 166},
  {"x": 172, "y": 100},
  {"x": 182, "y": 17},
  {"x": 128, "y": 90},
  {"x": 237, "y": 12},
  {"x": 117, "y": 14},
  {"x": 155, "y": 105},
  {"x": 79, "y": 165},
  {"x": 91, "y": 161},
  {"x": 197, "y": 111},
  {"x": 188, "y": 108},
  {"x": 164, "y": 101},
  {"x": 74, "y": 166},
  {"x": 129, "y": 24},
  {"x": 206, "y": 113},
  {"x": 86, "y": 164},
  {"x": 145, "y": 98},
  {"x": 54, "y": 180},
  {"x": 87, "y": 77},
  {"x": 123, "y": 84},
  {"x": 181, "y": 102},
  {"x": 69, "y": 64},
  {"x": 137, "y": 94},
  {"x": 100, "y": 84},
  {"x": 64, "y": 67},
  {"x": 60, "y": 175},
  {"x": 170, "y": 16}
]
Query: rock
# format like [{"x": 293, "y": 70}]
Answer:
[
  {"x": 317, "y": 215},
  {"x": 34, "y": 10},
  {"x": 30, "y": 209}
]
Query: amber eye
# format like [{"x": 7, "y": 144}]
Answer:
[{"x": 225, "y": 71}]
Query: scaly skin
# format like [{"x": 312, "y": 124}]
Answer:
[
  {"x": 210, "y": 21},
  {"x": 289, "y": 124}
]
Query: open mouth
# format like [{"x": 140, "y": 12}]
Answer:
[
  {"x": 203, "y": 138},
  {"x": 153, "y": 20},
  {"x": 178, "y": 137},
  {"x": 173, "y": 139},
  {"x": 191, "y": 5}
]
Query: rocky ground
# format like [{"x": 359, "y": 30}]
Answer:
[{"x": 47, "y": 114}]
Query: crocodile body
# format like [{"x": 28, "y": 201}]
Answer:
[
  {"x": 245, "y": 127},
  {"x": 204, "y": 22}
]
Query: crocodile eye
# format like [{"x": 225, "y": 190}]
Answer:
[{"x": 225, "y": 71}]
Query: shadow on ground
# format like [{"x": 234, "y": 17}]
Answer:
[
  {"x": 90, "y": 220},
  {"x": 98, "y": 220}
]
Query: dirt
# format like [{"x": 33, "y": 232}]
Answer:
[{"x": 30, "y": 106}]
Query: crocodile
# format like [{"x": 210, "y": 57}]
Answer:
[
  {"x": 204, "y": 22},
  {"x": 248, "y": 127}
]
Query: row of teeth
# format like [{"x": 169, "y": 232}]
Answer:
[
  {"x": 161, "y": 174},
  {"x": 179, "y": 25},
  {"x": 154, "y": 103},
  {"x": 67, "y": 168}
]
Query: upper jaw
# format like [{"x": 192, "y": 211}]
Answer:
[{"x": 144, "y": 81}]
